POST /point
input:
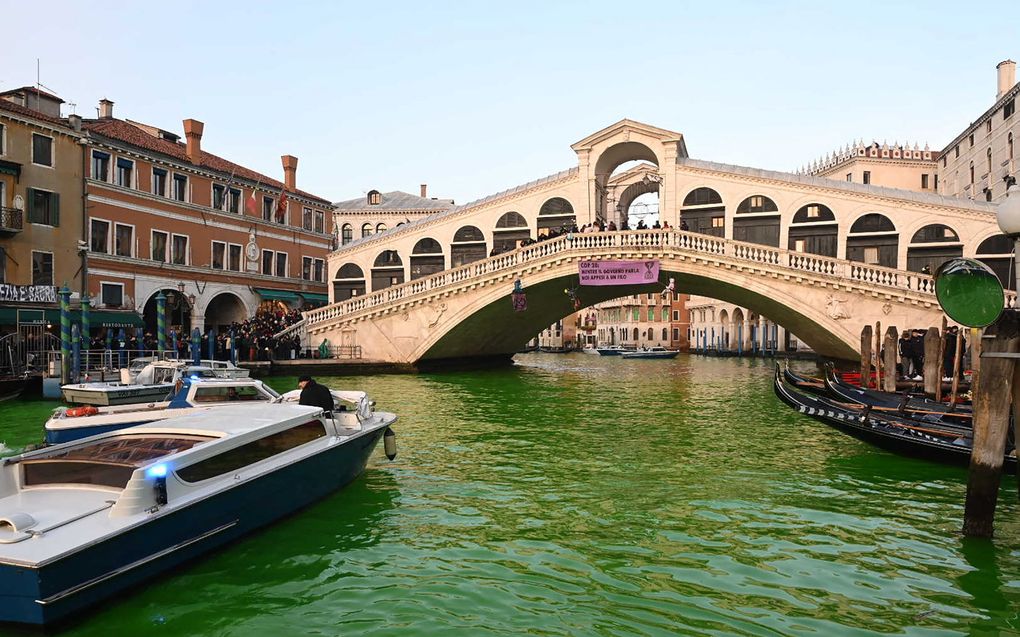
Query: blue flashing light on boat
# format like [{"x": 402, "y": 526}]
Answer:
[{"x": 157, "y": 471}]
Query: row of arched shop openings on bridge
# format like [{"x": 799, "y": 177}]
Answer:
[{"x": 873, "y": 239}]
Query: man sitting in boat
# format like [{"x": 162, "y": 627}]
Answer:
[{"x": 314, "y": 394}]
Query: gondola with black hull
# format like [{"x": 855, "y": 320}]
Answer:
[
  {"x": 936, "y": 441},
  {"x": 921, "y": 407}
]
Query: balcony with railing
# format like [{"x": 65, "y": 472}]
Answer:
[{"x": 11, "y": 220}]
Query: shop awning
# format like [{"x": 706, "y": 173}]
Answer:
[
  {"x": 10, "y": 168},
  {"x": 311, "y": 298},
  {"x": 286, "y": 296}
]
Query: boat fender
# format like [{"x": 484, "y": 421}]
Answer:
[
  {"x": 390, "y": 444},
  {"x": 75, "y": 412}
]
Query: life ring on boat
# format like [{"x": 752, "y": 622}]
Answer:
[{"x": 74, "y": 412}]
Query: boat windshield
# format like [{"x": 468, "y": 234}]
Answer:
[
  {"x": 219, "y": 394},
  {"x": 108, "y": 462}
]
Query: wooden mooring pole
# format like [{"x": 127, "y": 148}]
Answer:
[
  {"x": 941, "y": 359},
  {"x": 878, "y": 355},
  {"x": 957, "y": 364},
  {"x": 891, "y": 340},
  {"x": 865, "y": 355},
  {"x": 932, "y": 361},
  {"x": 994, "y": 394}
]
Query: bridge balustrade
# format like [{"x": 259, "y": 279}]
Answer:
[{"x": 693, "y": 242}]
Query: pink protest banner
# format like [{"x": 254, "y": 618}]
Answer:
[{"x": 618, "y": 272}]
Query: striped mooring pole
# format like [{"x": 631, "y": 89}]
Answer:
[
  {"x": 75, "y": 353},
  {"x": 161, "y": 322},
  {"x": 65, "y": 335},
  {"x": 85, "y": 336}
]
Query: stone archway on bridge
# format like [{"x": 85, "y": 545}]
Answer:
[
  {"x": 997, "y": 253},
  {"x": 757, "y": 221},
  {"x": 601, "y": 153},
  {"x": 814, "y": 230},
  {"x": 511, "y": 228},
  {"x": 348, "y": 282},
  {"x": 931, "y": 246},
  {"x": 468, "y": 245},
  {"x": 426, "y": 258},
  {"x": 556, "y": 215},
  {"x": 874, "y": 240},
  {"x": 703, "y": 211},
  {"x": 387, "y": 270}
]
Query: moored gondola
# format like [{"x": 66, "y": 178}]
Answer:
[
  {"x": 901, "y": 403},
  {"x": 936, "y": 441}
]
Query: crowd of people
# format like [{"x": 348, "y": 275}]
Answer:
[
  {"x": 597, "y": 226},
  {"x": 911, "y": 350}
]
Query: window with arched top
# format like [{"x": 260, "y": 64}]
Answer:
[
  {"x": 757, "y": 203},
  {"x": 468, "y": 246},
  {"x": 997, "y": 253},
  {"x": 702, "y": 197},
  {"x": 426, "y": 258},
  {"x": 387, "y": 258},
  {"x": 988, "y": 155},
  {"x": 935, "y": 233},
  {"x": 556, "y": 213},
  {"x": 636, "y": 335},
  {"x": 814, "y": 230},
  {"x": 348, "y": 282},
  {"x": 665, "y": 334},
  {"x": 346, "y": 234},
  {"x": 512, "y": 220},
  {"x": 763, "y": 230},
  {"x": 366, "y": 230},
  {"x": 813, "y": 213},
  {"x": 873, "y": 240},
  {"x": 931, "y": 246},
  {"x": 972, "y": 173},
  {"x": 387, "y": 270},
  {"x": 374, "y": 197},
  {"x": 380, "y": 228}
]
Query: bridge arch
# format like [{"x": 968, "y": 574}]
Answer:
[
  {"x": 387, "y": 270},
  {"x": 468, "y": 245},
  {"x": 426, "y": 258},
  {"x": 348, "y": 282},
  {"x": 873, "y": 239},
  {"x": 931, "y": 246}
]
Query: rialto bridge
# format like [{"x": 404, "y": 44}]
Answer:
[{"x": 821, "y": 257}]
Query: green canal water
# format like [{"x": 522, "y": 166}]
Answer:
[{"x": 579, "y": 495}]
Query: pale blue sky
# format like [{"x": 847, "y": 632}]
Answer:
[{"x": 475, "y": 97}]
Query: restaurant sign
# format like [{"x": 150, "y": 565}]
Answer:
[
  {"x": 618, "y": 272},
  {"x": 28, "y": 293}
]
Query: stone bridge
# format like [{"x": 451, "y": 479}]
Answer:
[
  {"x": 822, "y": 257},
  {"x": 466, "y": 312}
]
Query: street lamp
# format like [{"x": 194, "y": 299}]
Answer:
[{"x": 1007, "y": 213}]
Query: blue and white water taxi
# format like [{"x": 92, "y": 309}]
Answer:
[
  {"x": 88, "y": 520},
  {"x": 154, "y": 382},
  {"x": 190, "y": 393}
]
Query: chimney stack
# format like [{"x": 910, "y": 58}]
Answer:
[
  {"x": 105, "y": 109},
  {"x": 1007, "y": 77},
  {"x": 289, "y": 171},
  {"x": 424, "y": 191},
  {"x": 193, "y": 133}
]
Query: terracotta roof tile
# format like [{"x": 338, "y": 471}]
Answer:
[
  {"x": 130, "y": 134},
  {"x": 28, "y": 112},
  {"x": 32, "y": 89}
]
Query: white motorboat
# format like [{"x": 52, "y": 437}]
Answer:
[
  {"x": 222, "y": 369},
  {"x": 194, "y": 394},
  {"x": 590, "y": 349},
  {"x": 651, "y": 352},
  {"x": 610, "y": 350},
  {"x": 153, "y": 383},
  {"x": 88, "y": 520}
]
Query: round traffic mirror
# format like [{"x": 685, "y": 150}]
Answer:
[{"x": 969, "y": 292}]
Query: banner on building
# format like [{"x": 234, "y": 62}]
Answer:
[
  {"x": 28, "y": 293},
  {"x": 618, "y": 272}
]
